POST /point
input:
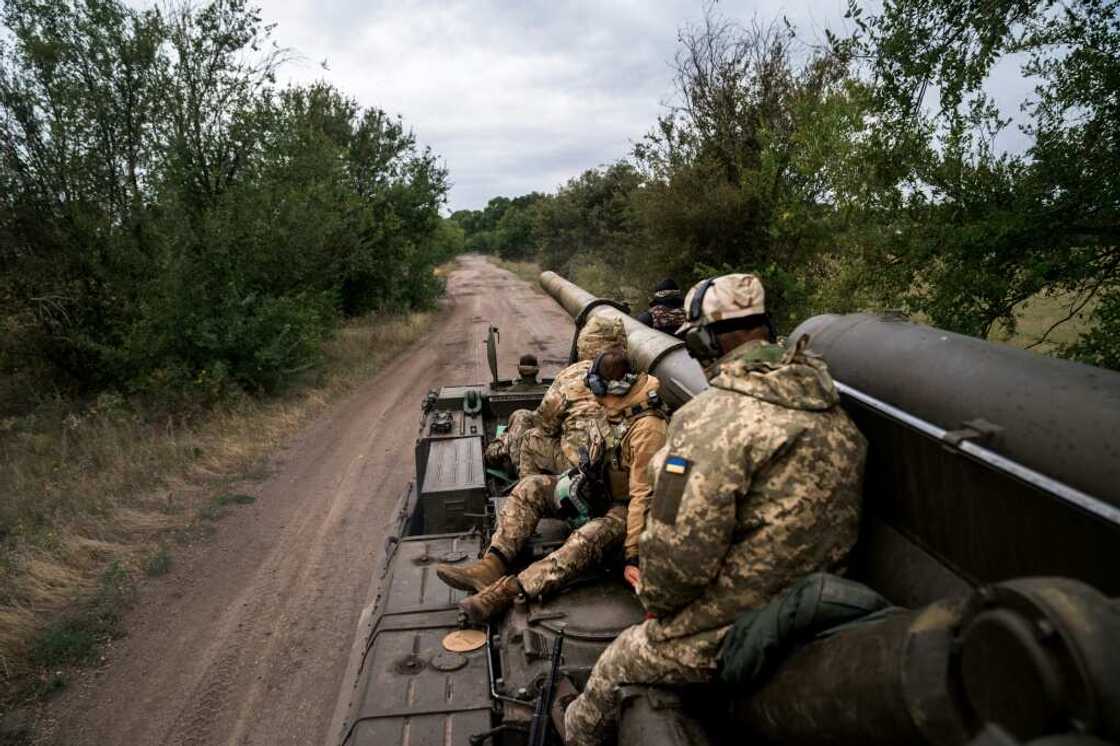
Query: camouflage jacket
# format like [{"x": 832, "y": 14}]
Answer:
[
  {"x": 569, "y": 410},
  {"x": 758, "y": 485},
  {"x": 666, "y": 319},
  {"x": 635, "y": 433}
]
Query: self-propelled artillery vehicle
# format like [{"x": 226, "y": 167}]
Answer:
[{"x": 991, "y": 524}]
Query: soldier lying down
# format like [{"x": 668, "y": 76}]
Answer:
[{"x": 606, "y": 500}]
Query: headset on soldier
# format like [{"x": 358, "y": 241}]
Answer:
[{"x": 702, "y": 340}]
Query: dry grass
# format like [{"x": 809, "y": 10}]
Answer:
[
  {"x": 1036, "y": 316},
  {"x": 530, "y": 272},
  {"x": 96, "y": 494}
]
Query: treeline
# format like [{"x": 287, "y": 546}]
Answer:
[
  {"x": 862, "y": 173},
  {"x": 172, "y": 221}
]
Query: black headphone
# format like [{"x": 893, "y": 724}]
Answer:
[
  {"x": 699, "y": 340},
  {"x": 594, "y": 378}
]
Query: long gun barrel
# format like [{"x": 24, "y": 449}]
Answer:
[{"x": 652, "y": 351}]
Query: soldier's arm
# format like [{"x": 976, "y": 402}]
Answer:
[
  {"x": 692, "y": 517},
  {"x": 646, "y": 438},
  {"x": 550, "y": 412}
]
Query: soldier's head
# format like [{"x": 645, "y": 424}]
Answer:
[
  {"x": 610, "y": 373},
  {"x": 723, "y": 313},
  {"x": 528, "y": 368},
  {"x": 667, "y": 293},
  {"x": 599, "y": 335}
]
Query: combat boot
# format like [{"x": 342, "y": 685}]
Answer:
[
  {"x": 475, "y": 576},
  {"x": 490, "y": 601}
]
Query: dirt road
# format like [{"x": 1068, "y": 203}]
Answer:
[{"x": 247, "y": 640}]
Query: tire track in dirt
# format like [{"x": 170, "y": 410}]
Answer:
[{"x": 246, "y": 641}]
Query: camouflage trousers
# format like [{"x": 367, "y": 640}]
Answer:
[
  {"x": 530, "y": 501},
  {"x": 634, "y": 658},
  {"x": 528, "y": 449}
]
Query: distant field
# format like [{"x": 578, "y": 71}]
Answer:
[{"x": 1037, "y": 315}]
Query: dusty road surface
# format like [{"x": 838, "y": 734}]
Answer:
[{"x": 246, "y": 640}]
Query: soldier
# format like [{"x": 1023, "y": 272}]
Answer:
[
  {"x": 547, "y": 440},
  {"x": 527, "y": 371},
  {"x": 665, "y": 313},
  {"x": 758, "y": 485},
  {"x": 634, "y": 430}
]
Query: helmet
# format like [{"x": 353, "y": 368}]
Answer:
[
  {"x": 719, "y": 299},
  {"x": 599, "y": 335}
]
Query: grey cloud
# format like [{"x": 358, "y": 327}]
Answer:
[{"x": 515, "y": 96}]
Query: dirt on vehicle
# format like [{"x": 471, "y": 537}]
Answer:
[{"x": 246, "y": 640}]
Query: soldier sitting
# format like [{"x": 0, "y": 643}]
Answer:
[
  {"x": 547, "y": 440},
  {"x": 758, "y": 486},
  {"x": 632, "y": 432},
  {"x": 665, "y": 313}
]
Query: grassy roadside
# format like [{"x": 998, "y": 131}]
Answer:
[
  {"x": 94, "y": 498},
  {"x": 530, "y": 272}
]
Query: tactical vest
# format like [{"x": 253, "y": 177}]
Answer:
[{"x": 617, "y": 472}]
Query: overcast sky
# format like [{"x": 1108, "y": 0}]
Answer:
[{"x": 514, "y": 96}]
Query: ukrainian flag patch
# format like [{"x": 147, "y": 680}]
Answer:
[{"x": 676, "y": 464}]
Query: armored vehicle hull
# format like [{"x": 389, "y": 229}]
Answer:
[{"x": 982, "y": 528}]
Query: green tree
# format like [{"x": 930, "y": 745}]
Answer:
[{"x": 980, "y": 231}]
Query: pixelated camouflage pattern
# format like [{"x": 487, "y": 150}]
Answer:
[
  {"x": 633, "y": 658},
  {"x": 772, "y": 492},
  {"x": 666, "y": 319}
]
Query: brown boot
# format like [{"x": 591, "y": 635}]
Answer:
[
  {"x": 491, "y": 600},
  {"x": 474, "y": 576}
]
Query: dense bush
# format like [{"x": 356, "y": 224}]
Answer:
[{"x": 169, "y": 218}]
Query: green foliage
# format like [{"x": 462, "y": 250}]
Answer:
[
  {"x": 976, "y": 231},
  {"x": 75, "y": 637},
  {"x": 172, "y": 222}
]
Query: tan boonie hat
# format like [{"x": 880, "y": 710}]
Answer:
[
  {"x": 725, "y": 297},
  {"x": 598, "y": 335}
]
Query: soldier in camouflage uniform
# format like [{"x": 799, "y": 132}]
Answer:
[
  {"x": 758, "y": 485},
  {"x": 632, "y": 432},
  {"x": 665, "y": 313},
  {"x": 547, "y": 440}
]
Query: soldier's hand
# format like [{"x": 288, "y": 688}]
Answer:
[{"x": 633, "y": 575}]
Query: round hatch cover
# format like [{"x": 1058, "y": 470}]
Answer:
[
  {"x": 452, "y": 557},
  {"x": 449, "y": 662},
  {"x": 464, "y": 640}
]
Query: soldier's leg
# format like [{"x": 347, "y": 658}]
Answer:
[
  {"x": 508, "y": 444},
  {"x": 583, "y": 548},
  {"x": 633, "y": 658},
  {"x": 530, "y": 500},
  {"x": 538, "y": 454}
]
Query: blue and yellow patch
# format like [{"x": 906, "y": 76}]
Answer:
[{"x": 676, "y": 464}]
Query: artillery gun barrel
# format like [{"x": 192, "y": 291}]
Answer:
[{"x": 654, "y": 352}]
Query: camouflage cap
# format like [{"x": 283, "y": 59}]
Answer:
[
  {"x": 727, "y": 297},
  {"x": 598, "y": 335}
]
